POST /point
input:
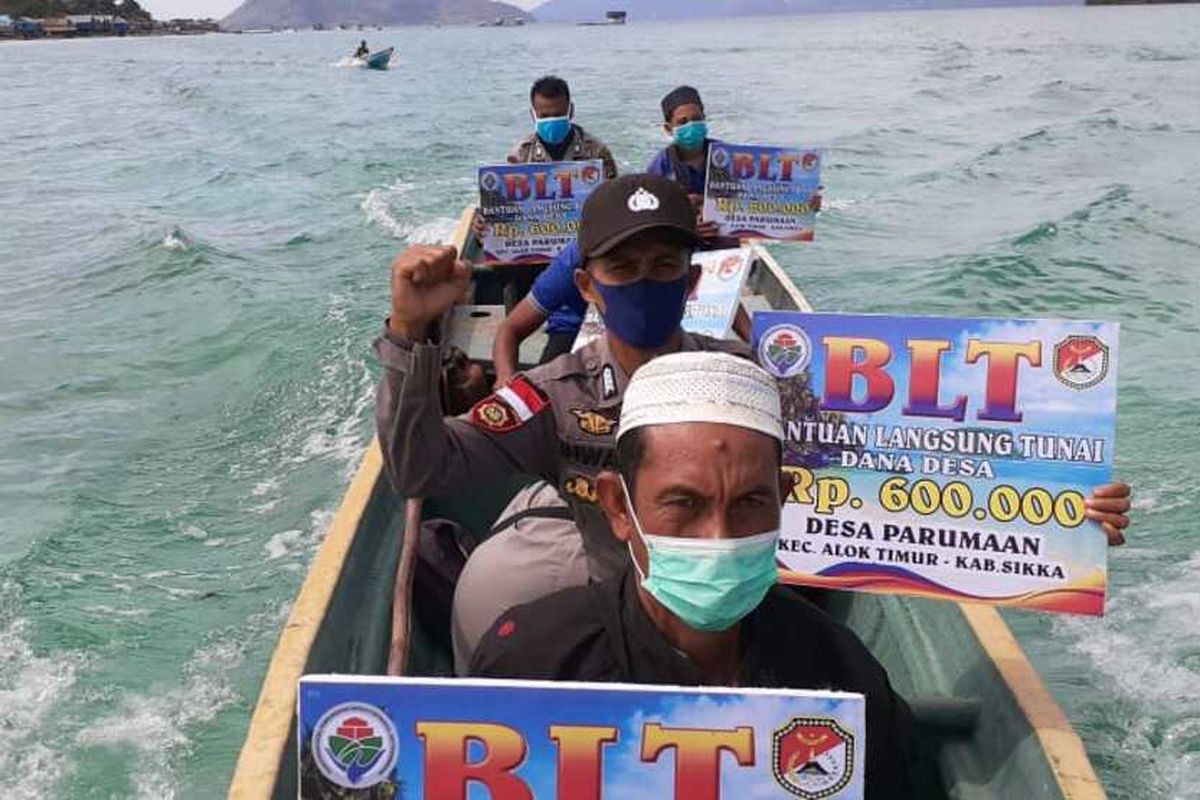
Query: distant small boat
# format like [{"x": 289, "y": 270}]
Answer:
[
  {"x": 379, "y": 60},
  {"x": 610, "y": 18}
]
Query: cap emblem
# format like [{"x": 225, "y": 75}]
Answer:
[{"x": 641, "y": 200}]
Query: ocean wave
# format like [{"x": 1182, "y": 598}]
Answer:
[
  {"x": 32, "y": 687},
  {"x": 378, "y": 206},
  {"x": 1145, "y": 649},
  {"x": 155, "y": 725},
  {"x": 1155, "y": 54}
]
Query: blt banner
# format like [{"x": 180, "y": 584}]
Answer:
[
  {"x": 945, "y": 458},
  {"x": 532, "y": 211},
  {"x": 475, "y": 739},
  {"x": 757, "y": 192}
]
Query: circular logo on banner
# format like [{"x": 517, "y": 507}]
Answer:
[
  {"x": 355, "y": 745},
  {"x": 720, "y": 157},
  {"x": 784, "y": 351},
  {"x": 1081, "y": 362},
  {"x": 810, "y": 161},
  {"x": 730, "y": 266},
  {"x": 812, "y": 758},
  {"x": 589, "y": 175},
  {"x": 490, "y": 181}
]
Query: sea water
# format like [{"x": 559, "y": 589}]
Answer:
[{"x": 194, "y": 244}]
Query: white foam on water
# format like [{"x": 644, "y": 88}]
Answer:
[
  {"x": 113, "y": 611},
  {"x": 194, "y": 531},
  {"x": 438, "y": 231},
  {"x": 277, "y": 546},
  {"x": 378, "y": 204},
  {"x": 1147, "y": 651},
  {"x": 31, "y": 687},
  {"x": 176, "y": 241},
  {"x": 267, "y": 507},
  {"x": 265, "y": 486},
  {"x": 155, "y": 724}
]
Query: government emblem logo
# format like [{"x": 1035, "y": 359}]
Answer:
[
  {"x": 812, "y": 757},
  {"x": 590, "y": 174},
  {"x": 642, "y": 200},
  {"x": 490, "y": 181},
  {"x": 1081, "y": 362},
  {"x": 355, "y": 745},
  {"x": 784, "y": 350},
  {"x": 593, "y": 422},
  {"x": 729, "y": 267},
  {"x": 720, "y": 157},
  {"x": 810, "y": 161},
  {"x": 493, "y": 415}
]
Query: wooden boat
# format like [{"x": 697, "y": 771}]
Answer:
[
  {"x": 988, "y": 726},
  {"x": 379, "y": 60}
]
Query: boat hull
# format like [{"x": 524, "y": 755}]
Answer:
[
  {"x": 988, "y": 726},
  {"x": 379, "y": 60}
]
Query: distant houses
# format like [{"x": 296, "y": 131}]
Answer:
[{"x": 68, "y": 26}]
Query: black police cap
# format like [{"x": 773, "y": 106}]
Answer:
[{"x": 630, "y": 204}]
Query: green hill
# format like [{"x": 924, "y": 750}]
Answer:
[{"x": 128, "y": 9}]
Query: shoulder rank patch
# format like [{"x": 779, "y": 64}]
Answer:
[
  {"x": 593, "y": 422},
  {"x": 608, "y": 383},
  {"x": 509, "y": 407},
  {"x": 581, "y": 488}
]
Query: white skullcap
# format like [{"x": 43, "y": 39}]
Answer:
[{"x": 702, "y": 387}]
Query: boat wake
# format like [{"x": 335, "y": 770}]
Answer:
[
  {"x": 394, "y": 209},
  {"x": 31, "y": 687}
]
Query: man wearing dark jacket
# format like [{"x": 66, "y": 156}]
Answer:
[{"x": 697, "y": 503}]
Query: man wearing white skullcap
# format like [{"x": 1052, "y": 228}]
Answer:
[{"x": 697, "y": 502}]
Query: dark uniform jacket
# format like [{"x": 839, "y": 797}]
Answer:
[
  {"x": 579, "y": 146},
  {"x": 601, "y": 633},
  {"x": 557, "y": 421}
]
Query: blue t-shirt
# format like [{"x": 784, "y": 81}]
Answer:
[
  {"x": 555, "y": 294},
  {"x": 692, "y": 178}
]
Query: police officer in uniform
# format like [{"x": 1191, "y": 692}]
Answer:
[
  {"x": 556, "y": 421},
  {"x": 556, "y": 136}
]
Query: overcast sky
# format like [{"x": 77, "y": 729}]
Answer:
[{"x": 169, "y": 9}]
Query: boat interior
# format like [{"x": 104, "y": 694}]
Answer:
[{"x": 988, "y": 726}]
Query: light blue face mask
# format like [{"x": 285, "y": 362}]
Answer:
[
  {"x": 710, "y": 584},
  {"x": 553, "y": 130},
  {"x": 691, "y": 135}
]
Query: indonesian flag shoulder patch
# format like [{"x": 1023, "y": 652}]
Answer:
[{"x": 509, "y": 407}]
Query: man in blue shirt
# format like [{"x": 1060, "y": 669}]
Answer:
[{"x": 554, "y": 299}]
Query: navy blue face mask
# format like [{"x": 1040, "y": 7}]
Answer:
[{"x": 644, "y": 313}]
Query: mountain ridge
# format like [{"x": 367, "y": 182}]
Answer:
[
  {"x": 593, "y": 10},
  {"x": 303, "y": 13}
]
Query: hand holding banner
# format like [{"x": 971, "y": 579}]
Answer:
[
  {"x": 434, "y": 737},
  {"x": 945, "y": 458},
  {"x": 760, "y": 192},
  {"x": 532, "y": 211}
]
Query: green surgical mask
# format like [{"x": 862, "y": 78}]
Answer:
[{"x": 710, "y": 584}]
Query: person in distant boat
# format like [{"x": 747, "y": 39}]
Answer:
[
  {"x": 695, "y": 498},
  {"x": 362, "y": 51}
]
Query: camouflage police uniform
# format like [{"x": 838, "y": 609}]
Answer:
[
  {"x": 557, "y": 421},
  {"x": 580, "y": 146}
]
